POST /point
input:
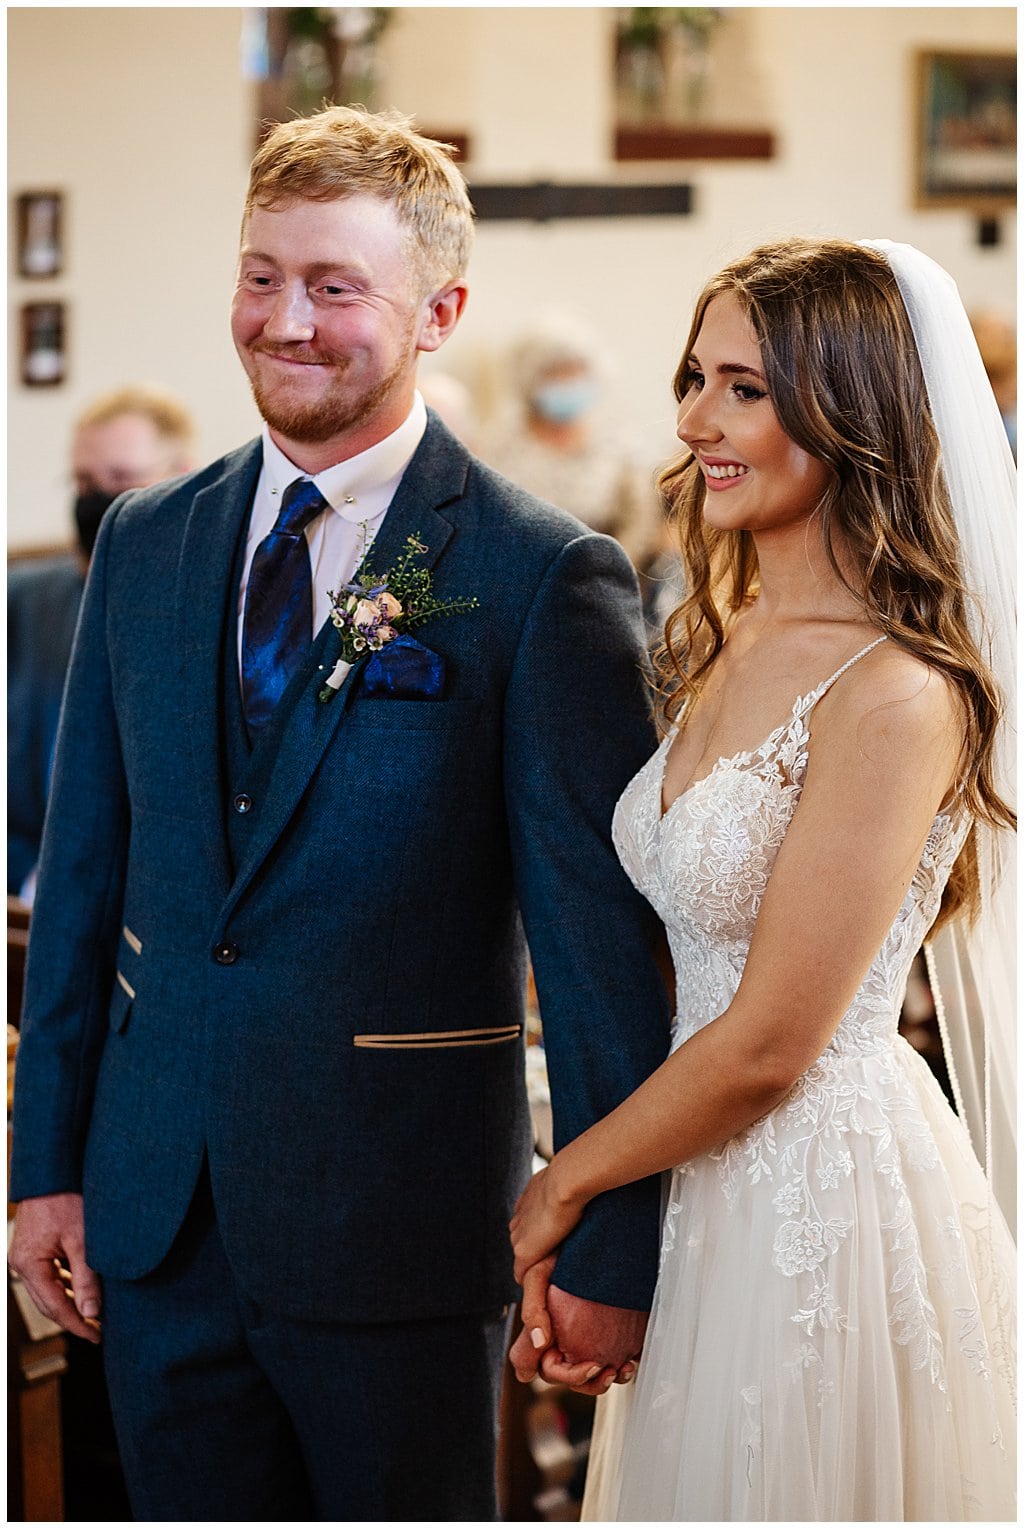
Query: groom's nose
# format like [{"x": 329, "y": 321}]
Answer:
[{"x": 291, "y": 315}]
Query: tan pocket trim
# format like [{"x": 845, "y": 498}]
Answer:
[
  {"x": 133, "y": 940},
  {"x": 126, "y": 984},
  {"x": 429, "y": 1040}
]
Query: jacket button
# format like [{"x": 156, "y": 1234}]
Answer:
[
  {"x": 242, "y": 802},
  {"x": 225, "y": 955}
]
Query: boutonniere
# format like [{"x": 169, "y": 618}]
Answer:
[{"x": 377, "y": 609}]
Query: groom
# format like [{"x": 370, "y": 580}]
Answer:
[{"x": 272, "y": 1058}]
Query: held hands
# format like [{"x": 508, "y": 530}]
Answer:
[
  {"x": 48, "y": 1252},
  {"x": 560, "y": 1330},
  {"x": 569, "y": 1340}
]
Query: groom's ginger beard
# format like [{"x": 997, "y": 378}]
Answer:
[{"x": 331, "y": 415}]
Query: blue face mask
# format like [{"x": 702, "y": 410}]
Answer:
[{"x": 563, "y": 402}]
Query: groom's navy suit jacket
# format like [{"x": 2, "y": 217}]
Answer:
[{"x": 324, "y": 994}]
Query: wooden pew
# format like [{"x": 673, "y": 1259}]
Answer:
[
  {"x": 36, "y": 1360},
  {"x": 36, "y": 1347},
  {"x": 17, "y": 949}
]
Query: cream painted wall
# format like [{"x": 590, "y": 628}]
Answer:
[
  {"x": 140, "y": 115},
  {"x": 151, "y": 142}
]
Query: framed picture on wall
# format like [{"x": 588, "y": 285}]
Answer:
[
  {"x": 966, "y": 130},
  {"x": 43, "y": 354},
  {"x": 40, "y": 233}
]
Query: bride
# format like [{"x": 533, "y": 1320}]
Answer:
[{"x": 832, "y": 1331}]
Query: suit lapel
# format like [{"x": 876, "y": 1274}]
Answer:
[
  {"x": 435, "y": 478},
  {"x": 205, "y": 609}
]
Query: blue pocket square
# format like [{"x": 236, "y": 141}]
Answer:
[{"x": 404, "y": 670}]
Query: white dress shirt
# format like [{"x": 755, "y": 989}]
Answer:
[{"x": 358, "y": 493}]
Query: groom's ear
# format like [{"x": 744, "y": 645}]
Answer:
[{"x": 441, "y": 313}]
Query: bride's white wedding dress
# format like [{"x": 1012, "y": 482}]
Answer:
[{"x": 832, "y": 1332}]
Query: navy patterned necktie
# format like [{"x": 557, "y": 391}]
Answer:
[{"x": 277, "y": 626}]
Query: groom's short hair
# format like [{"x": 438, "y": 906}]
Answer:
[{"x": 345, "y": 150}]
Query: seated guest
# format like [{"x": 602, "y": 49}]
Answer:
[
  {"x": 127, "y": 439},
  {"x": 997, "y": 340},
  {"x": 557, "y": 439}
]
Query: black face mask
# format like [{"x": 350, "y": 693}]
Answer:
[{"x": 89, "y": 511}]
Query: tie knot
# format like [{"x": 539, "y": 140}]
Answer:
[{"x": 301, "y": 502}]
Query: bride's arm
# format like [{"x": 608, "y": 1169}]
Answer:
[{"x": 883, "y": 753}]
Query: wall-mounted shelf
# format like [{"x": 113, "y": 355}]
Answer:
[
  {"x": 667, "y": 140},
  {"x": 546, "y": 201}
]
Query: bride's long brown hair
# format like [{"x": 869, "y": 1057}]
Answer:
[{"x": 843, "y": 376}]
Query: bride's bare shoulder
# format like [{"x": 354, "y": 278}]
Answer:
[{"x": 894, "y": 698}]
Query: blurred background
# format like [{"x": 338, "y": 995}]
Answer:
[{"x": 131, "y": 129}]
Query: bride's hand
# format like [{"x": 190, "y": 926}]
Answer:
[
  {"x": 544, "y": 1216},
  {"x": 536, "y": 1334}
]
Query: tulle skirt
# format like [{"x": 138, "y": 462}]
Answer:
[{"x": 832, "y": 1335}]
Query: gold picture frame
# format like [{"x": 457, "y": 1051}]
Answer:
[{"x": 966, "y": 110}]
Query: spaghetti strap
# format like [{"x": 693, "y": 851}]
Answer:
[{"x": 815, "y": 696}]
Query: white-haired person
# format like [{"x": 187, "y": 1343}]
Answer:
[{"x": 554, "y": 436}]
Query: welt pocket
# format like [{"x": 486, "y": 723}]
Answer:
[
  {"x": 120, "y": 1004},
  {"x": 436, "y": 1040}
]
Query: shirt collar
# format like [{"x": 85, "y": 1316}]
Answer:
[{"x": 356, "y": 485}]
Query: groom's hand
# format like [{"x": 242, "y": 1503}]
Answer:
[
  {"x": 48, "y": 1252},
  {"x": 572, "y": 1341},
  {"x": 587, "y": 1332}
]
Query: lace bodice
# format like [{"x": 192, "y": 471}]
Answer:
[{"x": 705, "y": 863}]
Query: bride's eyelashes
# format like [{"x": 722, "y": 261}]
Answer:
[{"x": 743, "y": 390}]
